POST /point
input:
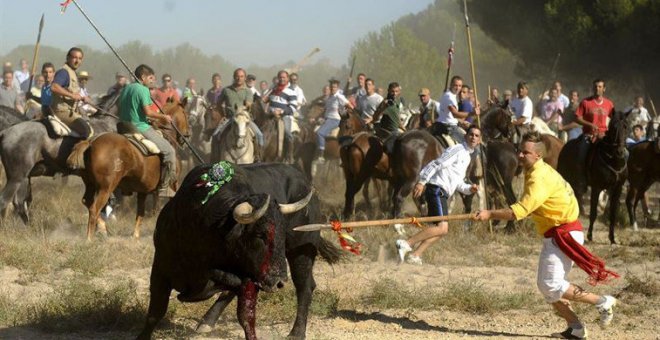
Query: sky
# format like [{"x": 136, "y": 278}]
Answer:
[{"x": 260, "y": 32}]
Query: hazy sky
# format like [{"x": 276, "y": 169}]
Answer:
[{"x": 244, "y": 32}]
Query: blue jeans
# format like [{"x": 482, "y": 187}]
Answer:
[{"x": 324, "y": 131}]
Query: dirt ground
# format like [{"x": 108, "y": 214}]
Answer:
[{"x": 500, "y": 266}]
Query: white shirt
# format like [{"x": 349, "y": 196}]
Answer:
[
  {"x": 332, "y": 105},
  {"x": 522, "y": 108},
  {"x": 23, "y": 79},
  {"x": 369, "y": 104},
  {"x": 638, "y": 116},
  {"x": 448, "y": 171},
  {"x": 300, "y": 95},
  {"x": 444, "y": 115}
]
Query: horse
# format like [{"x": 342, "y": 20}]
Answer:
[
  {"x": 111, "y": 161},
  {"x": 10, "y": 116},
  {"x": 200, "y": 119},
  {"x": 643, "y": 171},
  {"x": 604, "y": 169},
  {"x": 235, "y": 144},
  {"x": 30, "y": 149}
]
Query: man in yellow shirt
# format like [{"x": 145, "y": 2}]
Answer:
[{"x": 550, "y": 201}]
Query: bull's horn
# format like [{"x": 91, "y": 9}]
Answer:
[
  {"x": 290, "y": 208},
  {"x": 244, "y": 213}
]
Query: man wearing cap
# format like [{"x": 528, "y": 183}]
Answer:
[
  {"x": 251, "y": 82},
  {"x": 428, "y": 109},
  {"x": 120, "y": 82},
  {"x": 83, "y": 78},
  {"x": 166, "y": 91},
  {"x": 67, "y": 97}
]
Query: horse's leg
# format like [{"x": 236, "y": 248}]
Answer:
[
  {"x": 631, "y": 206},
  {"x": 8, "y": 194},
  {"x": 141, "y": 197},
  {"x": 593, "y": 210},
  {"x": 365, "y": 196},
  {"x": 352, "y": 186},
  {"x": 100, "y": 199},
  {"x": 21, "y": 199},
  {"x": 615, "y": 194}
]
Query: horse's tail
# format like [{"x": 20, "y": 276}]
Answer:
[{"x": 76, "y": 159}]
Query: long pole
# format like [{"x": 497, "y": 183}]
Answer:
[
  {"x": 474, "y": 75},
  {"x": 350, "y": 76},
  {"x": 36, "y": 54},
  {"x": 185, "y": 140},
  {"x": 382, "y": 223},
  {"x": 476, "y": 102},
  {"x": 450, "y": 58}
]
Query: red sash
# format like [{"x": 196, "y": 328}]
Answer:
[{"x": 591, "y": 264}]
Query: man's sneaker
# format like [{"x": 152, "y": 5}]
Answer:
[
  {"x": 606, "y": 311},
  {"x": 571, "y": 333},
  {"x": 414, "y": 259},
  {"x": 403, "y": 248},
  {"x": 399, "y": 228}
]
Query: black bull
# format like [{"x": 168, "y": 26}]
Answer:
[{"x": 197, "y": 230}]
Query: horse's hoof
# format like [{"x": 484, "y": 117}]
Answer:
[{"x": 203, "y": 328}]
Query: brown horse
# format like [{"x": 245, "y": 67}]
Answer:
[
  {"x": 110, "y": 161},
  {"x": 643, "y": 171}
]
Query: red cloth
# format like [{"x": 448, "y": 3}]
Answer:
[
  {"x": 279, "y": 89},
  {"x": 596, "y": 113},
  {"x": 591, "y": 264}
]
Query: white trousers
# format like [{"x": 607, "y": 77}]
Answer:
[{"x": 554, "y": 267}]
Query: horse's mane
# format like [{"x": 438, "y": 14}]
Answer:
[{"x": 12, "y": 114}]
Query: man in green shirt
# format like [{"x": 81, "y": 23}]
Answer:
[{"x": 135, "y": 106}]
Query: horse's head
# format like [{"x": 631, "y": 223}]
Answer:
[
  {"x": 496, "y": 123},
  {"x": 240, "y": 122},
  {"x": 350, "y": 123},
  {"x": 617, "y": 131},
  {"x": 177, "y": 111}
]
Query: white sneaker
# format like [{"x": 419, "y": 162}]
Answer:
[
  {"x": 571, "y": 333},
  {"x": 414, "y": 259},
  {"x": 403, "y": 248},
  {"x": 606, "y": 311},
  {"x": 400, "y": 229}
]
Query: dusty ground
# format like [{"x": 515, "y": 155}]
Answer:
[{"x": 502, "y": 264}]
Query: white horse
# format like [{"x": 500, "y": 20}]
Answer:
[{"x": 236, "y": 143}]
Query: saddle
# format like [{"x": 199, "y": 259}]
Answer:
[
  {"x": 56, "y": 128},
  {"x": 145, "y": 146}
]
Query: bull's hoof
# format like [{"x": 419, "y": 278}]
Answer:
[{"x": 203, "y": 328}]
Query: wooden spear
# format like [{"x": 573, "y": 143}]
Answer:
[
  {"x": 381, "y": 223},
  {"x": 36, "y": 54}
]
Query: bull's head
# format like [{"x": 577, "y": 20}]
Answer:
[{"x": 258, "y": 242}]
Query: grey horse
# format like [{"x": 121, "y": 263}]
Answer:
[
  {"x": 9, "y": 117},
  {"x": 28, "y": 150}
]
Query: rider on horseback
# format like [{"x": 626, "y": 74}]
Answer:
[
  {"x": 284, "y": 102},
  {"x": 368, "y": 103},
  {"x": 449, "y": 117},
  {"x": 234, "y": 96},
  {"x": 388, "y": 113},
  {"x": 592, "y": 114},
  {"x": 522, "y": 108},
  {"x": 428, "y": 109},
  {"x": 66, "y": 95},
  {"x": 135, "y": 107},
  {"x": 333, "y": 104}
]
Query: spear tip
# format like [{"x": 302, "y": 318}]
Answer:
[{"x": 41, "y": 22}]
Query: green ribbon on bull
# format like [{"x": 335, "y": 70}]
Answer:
[{"x": 218, "y": 175}]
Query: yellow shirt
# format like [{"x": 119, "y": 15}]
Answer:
[{"x": 547, "y": 197}]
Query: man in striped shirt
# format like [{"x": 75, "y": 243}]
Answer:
[
  {"x": 438, "y": 180},
  {"x": 284, "y": 102}
]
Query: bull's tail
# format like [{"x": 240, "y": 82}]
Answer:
[
  {"x": 76, "y": 159},
  {"x": 329, "y": 251}
]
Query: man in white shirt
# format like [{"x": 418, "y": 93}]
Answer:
[
  {"x": 448, "y": 114},
  {"x": 22, "y": 76},
  {"x": 300, "y": 95},
  {"x": 637, "y": 114},
  {"x": 333, "y": 104},
  {"x": 438, "y": 180},
  {"x": 368, "y": 103},
  {"x": 521, "y": 106}
]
